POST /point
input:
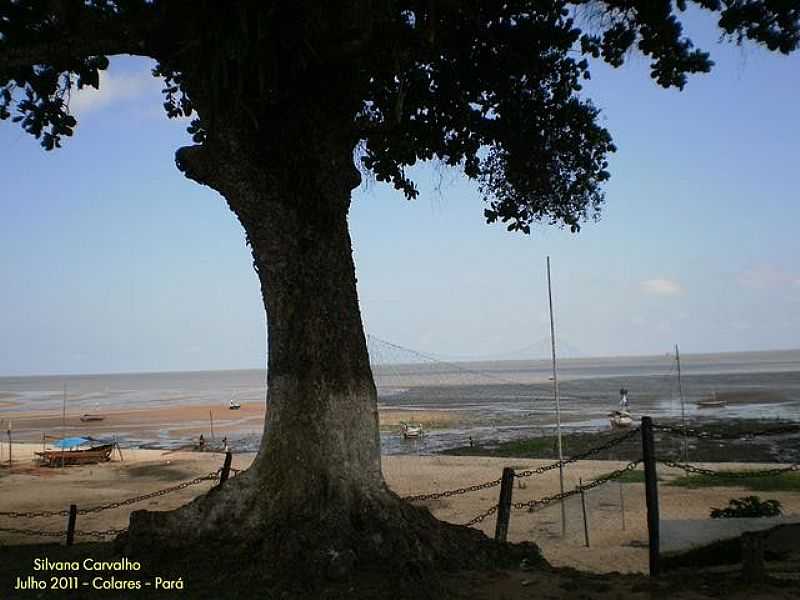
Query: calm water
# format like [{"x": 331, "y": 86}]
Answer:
[{"x": 497, "y": 400}]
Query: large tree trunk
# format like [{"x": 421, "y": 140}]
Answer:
[{"x": 314, "y": 499}]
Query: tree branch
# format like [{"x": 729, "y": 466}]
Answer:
[{"x": 92, "y": 34}]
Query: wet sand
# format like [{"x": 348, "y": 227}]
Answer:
[
  {"x": 181, "y": 422},
  {"x": 29, "y": 487}
]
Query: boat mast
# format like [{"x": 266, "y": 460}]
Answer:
[
  {"x": 63, "y": 423},
  {"x": 558, "y": 401},
  {"x": 683, "y": 407}
]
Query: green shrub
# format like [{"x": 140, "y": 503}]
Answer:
[{"x": 749, "y": 506}]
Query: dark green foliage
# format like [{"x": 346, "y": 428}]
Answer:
[
  {"x": 491, "y": 87},
  {"x": 740, "y": 479},
  {"x": 748, "y": 506}
]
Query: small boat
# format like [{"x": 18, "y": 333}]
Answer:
[
  {"x": 621, "y": 418},
  {"x": 411, "y": 430},
  {"x": 712, "y": 402},
  {"x": 77, "y": 451},
  {"x": 87, "y": 418},
  {"x": 233, "y": 405}
]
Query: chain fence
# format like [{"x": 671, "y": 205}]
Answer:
[
  {"x": 539, "y": 503},
  {"x": 582, "y": 456},
  {"x": 728, "y": 435},
  {"x": 526, "y": 473},
  {"x": 690, "y": 468},
  {"x": 32, "y": 514},
  {"x": 98, "y": 534},
  {"x": 593, "y": 510},
  {"x": 454, "y": 492}
]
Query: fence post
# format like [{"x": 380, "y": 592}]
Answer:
[
  {"x": 583, "y": 505},
  {"x": 73, "y": 515},
  {"x": 651, "y": 493},
  {"x": 753, "y": 557},
  {"x": 504, "y": 505},
  {"x": 226, "y": 468}
]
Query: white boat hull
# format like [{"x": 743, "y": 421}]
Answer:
[
  {"x": 620, "y": 420},
  {"x": 411, "y": 431},
  {"x": 710, "y": 403}
]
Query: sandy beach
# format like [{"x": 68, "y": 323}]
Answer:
[{"x": 28, "y": 487}]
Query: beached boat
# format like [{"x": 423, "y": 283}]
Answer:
[
  {"x": 711, "y": 402},
  {"x": 411, "y": 430},
  {"x": 233, "y": 405},
  {"x": 621, "y": 418},
  {"x": 88, "y": 418},
  {"x": 77, "y": 451}
]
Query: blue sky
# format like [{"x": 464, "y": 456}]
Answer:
[{"x": 112, "y": 261}]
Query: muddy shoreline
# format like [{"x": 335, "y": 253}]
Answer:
[{"x": 727, "y": 441}]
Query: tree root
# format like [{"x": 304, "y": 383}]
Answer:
[{"x": 312, "y": 544}]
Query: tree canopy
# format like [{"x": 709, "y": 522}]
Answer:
[
  {"x": 283, "y": 97},
  {"x": 491, "y": 87}
]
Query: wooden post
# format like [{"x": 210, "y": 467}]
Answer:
[
  {"x": 504, "y": 505},
  {"x": 651, "y": 493},
  {"x": 226, "y": 468},
  {"x": 622, "y": 504},
  {"x": 583, "y": 505},
  {"x": 9, "y": 443},
  {"x": 211, "y": 418},
  {"x": 753, "y": 557},
  {"x": 73, "y": 515}
]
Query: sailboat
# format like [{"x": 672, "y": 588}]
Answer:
[
  {"x": 621, "y": 418},
  {"x": 711, "y": 402}
]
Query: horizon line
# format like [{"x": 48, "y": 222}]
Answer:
[{"x": 435, "y": 359}]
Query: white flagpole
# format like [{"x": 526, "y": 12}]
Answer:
[{"x": 558, "y": 402}]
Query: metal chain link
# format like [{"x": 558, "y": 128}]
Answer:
[
  {"x": 583, "y": 456},
  {"x": 101, "y": 533},
  {"x": 731, "y": 474},
  {"x": 538, "y": 503},
  {"x": 32, "y": 514},
  {"x": 157, "y": 493},
  {"x": 32, "y": 532},
  {"x": 481, "y": 516},
  {"x": 521, "y": 474},
  {"x": 695, "y": 433},
  {"x": 37, "y": 532},
  {"x": 446, "y": 494},
  {"x": 93, "y": 509}
]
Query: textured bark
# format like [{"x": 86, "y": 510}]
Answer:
[{"x": 314, "y": 500}]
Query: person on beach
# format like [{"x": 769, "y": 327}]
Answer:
[{"x": 201, "y": 443}]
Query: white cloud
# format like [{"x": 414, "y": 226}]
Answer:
[
  {"x": 768, "y": 277},
  {"x": 113, "y": 90},
  {"x": 661, "y": 287}
]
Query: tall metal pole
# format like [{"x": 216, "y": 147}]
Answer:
[
  {"x": 683, "y": 408},
  {"x": 63, "y": 423},
  {"x": 558, "y": 402}
]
